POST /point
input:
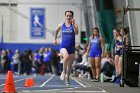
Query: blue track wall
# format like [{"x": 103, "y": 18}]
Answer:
[{"x": 25, "y": 46}]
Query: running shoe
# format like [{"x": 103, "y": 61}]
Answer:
[
  {"x": 67, "y": 83},
  {"x": 62, "y": 76}
]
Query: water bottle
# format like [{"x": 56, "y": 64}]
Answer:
[
  {"x": 89, "y": 76},
  {"x": 113, "y": 77},
  {"x": 102, "y": 77}
]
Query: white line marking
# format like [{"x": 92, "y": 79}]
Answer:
[
  {"x": 24, "y": 87},
  {"x": 87, "y": 84},
  {"x": 47, "y": 81},
  {"x": 94, "y": 86},
  {"x": 57, "y": 86},
  {"x": 13, "y": 77},
  {"x": 61, "y": 90},
  {"x": 83, "y": 91},
  {"x": 78, "y": 82},
  {"x": 62, "y": 86},
  {"x": 48, "y": 90},
  {"x": 26, "y": 91},
  {"x": 14, "y": 81},
  {"x": 101, "y": 89}
]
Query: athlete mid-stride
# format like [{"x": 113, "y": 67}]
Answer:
[{"x": 67, "y": 47}]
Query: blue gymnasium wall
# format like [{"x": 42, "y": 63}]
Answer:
[{"x": 24, "y": 46}]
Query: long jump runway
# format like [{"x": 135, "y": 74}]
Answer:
[{"x": 51, "y": 84}]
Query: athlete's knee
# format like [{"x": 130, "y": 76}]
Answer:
[
  {"x": 93, "y": 66},
  {"x": 66, "y": 57},
  {"x": 97, "y": 65}
]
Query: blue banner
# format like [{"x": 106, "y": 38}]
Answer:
[{"x": 37, "y": 23}]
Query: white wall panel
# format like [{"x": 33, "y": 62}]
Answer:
[{"x": 17, "y": 25}]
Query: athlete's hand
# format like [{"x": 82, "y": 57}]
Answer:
[
  {"x": 87, "y": 55},
  {"x": 73, "y": 21},
  {"x": 102, "y": 56},
  {"x": 55, "y": 42},
  {"x": 112, "y": 56}
]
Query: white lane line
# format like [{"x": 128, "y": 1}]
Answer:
[
  {"x": 14, "y": 81},
  {"x": 93, "y": 86},
  {"x": 60, "y": 90},
  {"x": 17, "y": 80},
  {"x": 15, "y": 77},
  {"x": 62, "y": 86},
  {"x": 101, "y": 89},
  {"x": 57, "y": 86},
  {"x": 84, "y": 91},
  {"x": 47, "y": 81},
  {"x": 87, "y": 84},
  {"x": 78, "y": 82},
  {"x": 25, "y": 87}
]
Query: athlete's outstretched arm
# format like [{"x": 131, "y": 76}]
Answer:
[
  {"x": 55, "y": 34},
  {"x": 102, "y": 46}
]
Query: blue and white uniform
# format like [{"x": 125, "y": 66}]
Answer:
[
  {"x": 95, "y": 47},
  {"x": 118, "y": 51},
  {"x": 68, "y": 38}
]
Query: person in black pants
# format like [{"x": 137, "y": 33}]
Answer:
[{"x": 5, "y": 62}]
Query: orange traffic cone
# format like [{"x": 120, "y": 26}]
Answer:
[
  {"x": 29, "y": 82},
  {"x": 32, "y": 83},
  {"x": 9, "y": 86}
]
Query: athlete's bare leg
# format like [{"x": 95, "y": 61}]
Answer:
[
  {"x": 98, "y": 67},
  {"x": 92, "y": 62},
  {"x": 120, "y": 65},
  {"x": 69, "y": 65},
  {"x": 116, "y": 64},
  {"x": 65, "y": 55}
]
